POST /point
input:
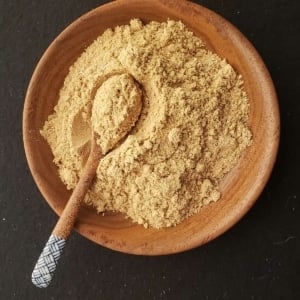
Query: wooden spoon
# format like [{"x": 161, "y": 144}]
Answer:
[{"x": 118, "y": 94}]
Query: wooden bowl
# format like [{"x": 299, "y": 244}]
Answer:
[{"x": 240, "y": 188}]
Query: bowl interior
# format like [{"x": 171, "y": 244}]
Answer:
[{"x": 239, "y": 188}]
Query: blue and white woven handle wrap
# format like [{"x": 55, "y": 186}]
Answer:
[{"x": 47, "y": 262}]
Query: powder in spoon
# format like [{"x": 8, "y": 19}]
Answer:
[
  {"x": 191, "y": 132},
  {"x": 117, "y": 105}
]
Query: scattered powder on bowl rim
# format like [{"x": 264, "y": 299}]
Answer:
[{"x": 191, "y": 132}]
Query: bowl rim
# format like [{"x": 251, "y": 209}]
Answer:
[{"x": 269, "y": 165}]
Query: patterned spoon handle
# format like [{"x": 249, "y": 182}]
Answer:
[
  {"x": 47, "y": 262},
  {"x": 45, "y": 267}
]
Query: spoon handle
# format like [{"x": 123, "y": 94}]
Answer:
[{"x": 46, "y": 265}]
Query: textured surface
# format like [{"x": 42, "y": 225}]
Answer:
[
  {"x": 192, "y": 130},
  {"x": 257, "y": 259},
  {"x": 47, "y": 262}
]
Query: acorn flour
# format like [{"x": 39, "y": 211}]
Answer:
[
  {"x": 116, "y": 107},
  {"x": 191, "y": 131}
]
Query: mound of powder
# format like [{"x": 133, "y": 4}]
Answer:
[{"x": 191, "y": 132}]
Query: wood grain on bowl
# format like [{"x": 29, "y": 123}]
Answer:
[{"x": 240, "y": 188}]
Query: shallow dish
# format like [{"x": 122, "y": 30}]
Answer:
[{"x": 240, "y": 188}]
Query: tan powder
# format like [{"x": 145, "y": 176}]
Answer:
[
  {"x": 116, "y": 107},
  {"x": 191, "y": 132}
]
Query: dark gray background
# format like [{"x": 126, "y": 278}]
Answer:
[{"x": 257, "y": 259}]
